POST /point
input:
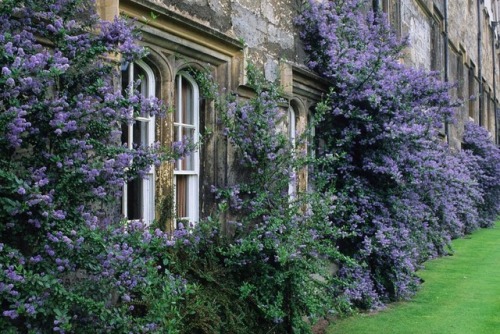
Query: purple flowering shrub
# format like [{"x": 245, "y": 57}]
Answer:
[
  {"x": 404, "y": 193},
  {"x": 105, "y": 280},
  {"x": 478, "y": 142},
  {"x": 66, "y": 263},
  {"x": 388, "y": 193}
]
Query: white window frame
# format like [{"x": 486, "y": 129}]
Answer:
[
  {"x": 147, "y": 190},
  {"x": 193, "y": 175}
]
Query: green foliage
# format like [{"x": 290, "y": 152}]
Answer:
[
  {"x": 212, "y": 304},
  {"x": 278, "y": 242}
]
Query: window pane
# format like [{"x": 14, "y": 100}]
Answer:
[
  {"x": 140, "y": 74},
  {"x": 187, "y": 103},
  {"x": 140, "y": 133},
  {"x": 188, "y": 162},
  {"x": 134, "y": 204},
  {"x": 124, "y": 134},
  {"x": 138, "y": 199},
  {"x": 186, "y": 129},
  {"x": 292, "y": 126},
  {"x": 177, "y": 137},
  {"x": 148, "y": 197},
  {"x": 182, "y": 196}
]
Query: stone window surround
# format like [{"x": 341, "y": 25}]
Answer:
[{"x": 176, "y": 44}]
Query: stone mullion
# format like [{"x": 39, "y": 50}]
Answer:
[{"x": 165, "y": 173}]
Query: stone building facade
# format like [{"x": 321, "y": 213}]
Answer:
[
  {"x": 223, "y": 36},
  {"x": 458, "y": 38}
]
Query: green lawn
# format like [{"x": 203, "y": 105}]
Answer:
[{"x": 461, "y": 295}]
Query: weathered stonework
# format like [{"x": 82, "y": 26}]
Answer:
[
  {"x": 265, "y": 27},
  {"x": 417, "y": 26},
  {"x": 423, "y": 21},
  {"x": 223, "y": 36}
]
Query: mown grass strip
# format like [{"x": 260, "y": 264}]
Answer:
[{"x": 460, "y": 295}]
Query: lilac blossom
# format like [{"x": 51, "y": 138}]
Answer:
[
  {"x": 405, "y": 194},
  {"x": 63, "y": 169}
]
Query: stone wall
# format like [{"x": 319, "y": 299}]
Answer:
[
  {"x": 265, "y": 26},
  {"x": 416, "y": 25},
  {"x": 222, "y": 36},
  {"x": 423, "y": 22}
]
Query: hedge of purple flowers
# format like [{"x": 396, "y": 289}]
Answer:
[
  {"x": 405, "y": 193},
  {"x": 479, "y": 143},
  {"x": 386, "y": 193},
  {"x": 66, "y": 262}
]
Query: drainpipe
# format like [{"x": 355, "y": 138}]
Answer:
[
  {"x": 493, "y": 52},
  {"x": 446, "y": 78},
  {"x": 479, "y": 62},
  {"x": 376, "y": 6},
  {"x": 495, "y": 103}
]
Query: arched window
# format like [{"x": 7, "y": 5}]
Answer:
[
  {"x": 186, "y": 127},
  {"x": 139, "y": 194}
]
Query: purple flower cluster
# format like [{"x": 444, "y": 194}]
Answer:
[
  {"x": 479, "y": 143},
  {"x": 63, "y": 166},
  {"x": 404, "y": 193},
  {"x": 257, "y": 140}
]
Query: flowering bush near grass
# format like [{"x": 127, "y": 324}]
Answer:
[
  {"x": 66, "y": 262},
  {"x": 404, "y": 193},
  {"x": 478, "y": 142},
  {"x": 388, "y": 193}
]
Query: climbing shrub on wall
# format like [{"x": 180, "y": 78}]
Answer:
[
  {"x": 405, "y": 194},
  {"x": 274, "y": 253},
  {"x": 479, "y": 143},
  {"x": 67, "y": 264},
  {"x": 388, "y": 194}
]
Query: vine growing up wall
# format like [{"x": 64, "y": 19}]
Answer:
[
  {"x": 67, "y": 262},
  {"x": 277, "y": 247}
]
